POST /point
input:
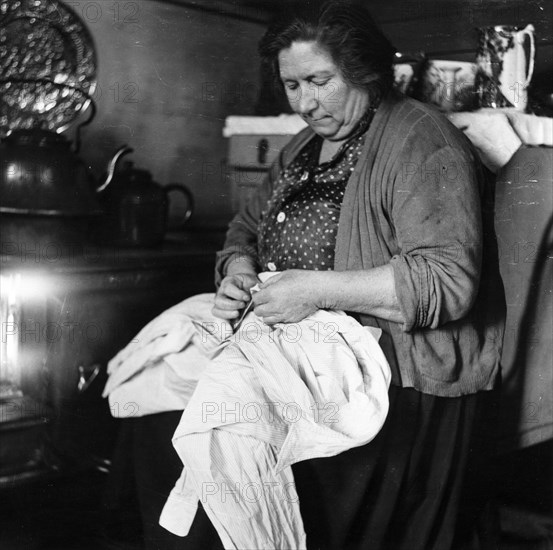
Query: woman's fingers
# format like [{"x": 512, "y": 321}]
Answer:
[
  {"x": 227, "y": 304},
  {"x": 235, "y": 287},
  {"x": 264, "y": 312},
  {"x": 260, "y": 297},
  {"x": 270, "y": 320},
  {"x": 232, "y": 297},
  {"x": 227, "y": 309},
  {"x": 224, "y": 313}
]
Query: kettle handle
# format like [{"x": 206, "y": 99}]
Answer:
[
  {"x": 189, "y": 201},
  {"x": 529, "y": 31}
]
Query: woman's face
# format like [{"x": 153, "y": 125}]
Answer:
[{"x": 317, "y": 91}]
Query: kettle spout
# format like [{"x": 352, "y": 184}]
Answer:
[{"x": 123, "y": 150}]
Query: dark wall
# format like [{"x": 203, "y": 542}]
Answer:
[
  {"x": 448, "y": 28},
  {"x": 168, "y": 76}
]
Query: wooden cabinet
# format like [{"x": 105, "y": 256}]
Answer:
[
  {"x": 89, "y": 305},
  {"x": 249, "y": 159}
]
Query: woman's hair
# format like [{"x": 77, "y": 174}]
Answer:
[{"x": 350, "y": 35}]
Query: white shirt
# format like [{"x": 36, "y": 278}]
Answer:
[{"x": 265, "y": 398}]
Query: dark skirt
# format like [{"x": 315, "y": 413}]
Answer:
[{"x": 424, "y": 483}]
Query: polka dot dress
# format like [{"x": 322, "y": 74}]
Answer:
[{"x": 299, "y": 225}]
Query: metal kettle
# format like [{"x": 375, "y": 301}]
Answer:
[
  {"x": 136, "y": 207},
  {"x": 40, "y": 174},
  {"x": 47, "y": 198}
]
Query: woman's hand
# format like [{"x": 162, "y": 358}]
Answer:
[
  {"x": 288, "y": 297},
  {"x": 234, "y": 291},
  {"x": 233, "y": 295}
]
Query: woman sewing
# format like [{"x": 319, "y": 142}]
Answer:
[{"x": 378, "y": 209}]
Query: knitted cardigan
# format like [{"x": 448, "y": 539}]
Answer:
[{"x": 419, "y": 200}]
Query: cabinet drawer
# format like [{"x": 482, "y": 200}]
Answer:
[{"x": 255, "y": 152}]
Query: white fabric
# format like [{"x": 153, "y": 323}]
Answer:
[
  {"x": 255, "y": 403},
  {"x": 261, "y": 125},
  {"x": 146, "y": 377}
]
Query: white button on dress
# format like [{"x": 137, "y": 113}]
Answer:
[
  {"x": 271, "y": 266},
  {"x": 300, "y": 225}
]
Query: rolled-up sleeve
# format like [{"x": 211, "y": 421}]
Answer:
[{"x": 436, "y": 214}]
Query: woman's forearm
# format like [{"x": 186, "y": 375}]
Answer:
[{"x": 370, "y": 291}]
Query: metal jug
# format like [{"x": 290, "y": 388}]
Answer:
[{"x": 504, "y": 67}]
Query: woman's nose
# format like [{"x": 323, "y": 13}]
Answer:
[{"x": 307, "y": 102}]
